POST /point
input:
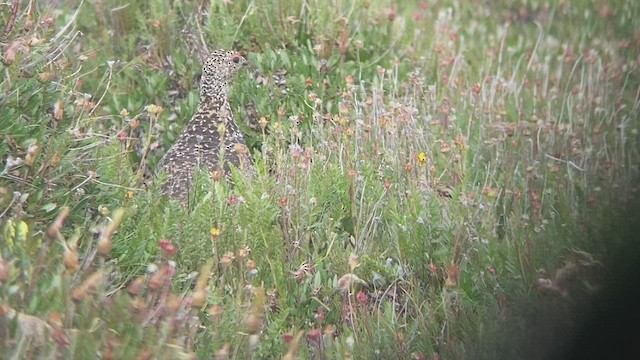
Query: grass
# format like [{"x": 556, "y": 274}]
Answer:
[{"x": 436, "y": 180}]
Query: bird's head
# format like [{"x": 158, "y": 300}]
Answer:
[{"x": 219, "y": 70}]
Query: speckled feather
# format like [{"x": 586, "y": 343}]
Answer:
[{"x": 212, "y": 134}]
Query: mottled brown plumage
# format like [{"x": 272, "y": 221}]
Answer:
[{"x": 212, "y": 138}]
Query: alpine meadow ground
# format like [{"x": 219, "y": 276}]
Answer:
[{"x": 434, "y": 180}]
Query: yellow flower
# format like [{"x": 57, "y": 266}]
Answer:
[
  {"x": 215, "y": 232},
  {"x": 154, "y": 109},
  {"x": 422, "y": 159}
]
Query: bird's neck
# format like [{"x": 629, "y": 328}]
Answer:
[{"x": 211, "y": 88}]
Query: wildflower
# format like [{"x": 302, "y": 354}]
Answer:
[
  {"x": 296, "y": 152},
  {"x": 103, "y": 210},
  {"x": 122, "y": 136},
  {"x": 173, "y": 303},
  {"x": 32, "y": 152},
  {"x": 303, "y": 271},
  {"x": 283, "y": 201},
  {"x": 168, "y": 247},
  {"x": 453, "y": 271},
  {"x": 349, "y": 79},
  {"x": 263, "y": 122},
  {"x": 461, "y": 143},
  {"x": 215, "y": 232},
  {"x": 314, "y": 335},
  {"x": 329, "y": 330},
  {"x": 350, "y": 341},
  {"x": 287, "y": 337},
  {"x": 170, "y": 269},
  {"x": 71, "y": 259},
  {"x": 241, "y": 149},
  {"x": 58, "y": 110},
  {"x": 154, "y": 109},
  {"x": 250, "y": 264},
  {"x": 215, "y": 312},
  {"x": 308, "y": 153},
  {"x": 387, "y": 184},
  {"x": 362, "y": 297},
  {"x": 422, "y": 159},
  {"x": 391, "y": 13},
  {"x": 89, "y": 285},
  {"x": 216, "y": 175},
  {"x": 156, "y": 280},
  {"x": 243, "y": 253},
  {"x": 135, "y": 287},
  {"x": 104, "y": 245},
  {"x": 221, "y": 129},
  {"x": 232, "y": 200},
  {"x": 418, "y": 356},
  {"x": 224, "y": 352},
  {"x": 128, "y": 195},
  {"x": 346, "y": 281},
  {"x": 226, "y": 260},
  {"x": 408, "y": 167},
  {"x": 353, "y": 261},
  {"x": 476, "y": 89}
]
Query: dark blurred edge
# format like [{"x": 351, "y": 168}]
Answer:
[{"x": 612, "y": 328}]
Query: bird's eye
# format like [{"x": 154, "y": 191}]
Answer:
[{"x": 235, "y": 59}]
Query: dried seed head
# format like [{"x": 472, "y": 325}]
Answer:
[
  {"x": 354, "y": 261},
  {"x": 254, "y": 323},
  {"x": 135, "y": 287},
  {"x": 315, "y": 336},
  {"x": 156, "y": 280},
  {"x": 198, "y": 299},
  {"x": 173, "y": 304},
  {"x": 89, "y": 285},
  {"x": 250, "y": 264},
  {"x": 70, "y": 259},
  {"x": 347, "y": 281},
  {"x": 215, "y": 312},
  {"x": 227, "y": 259},
  {"x": 104, "y": 246},
  {"x": 224, "y": 352}
]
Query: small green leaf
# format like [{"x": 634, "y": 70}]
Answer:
[{"x": 49, "y": 207}]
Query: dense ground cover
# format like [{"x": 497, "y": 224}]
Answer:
[{"x": 436, "y": 179}]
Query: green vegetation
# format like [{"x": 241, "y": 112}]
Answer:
[{"x": 431, "y": 174}]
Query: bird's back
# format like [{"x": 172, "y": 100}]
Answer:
[{"x": 211, "y": 140}]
